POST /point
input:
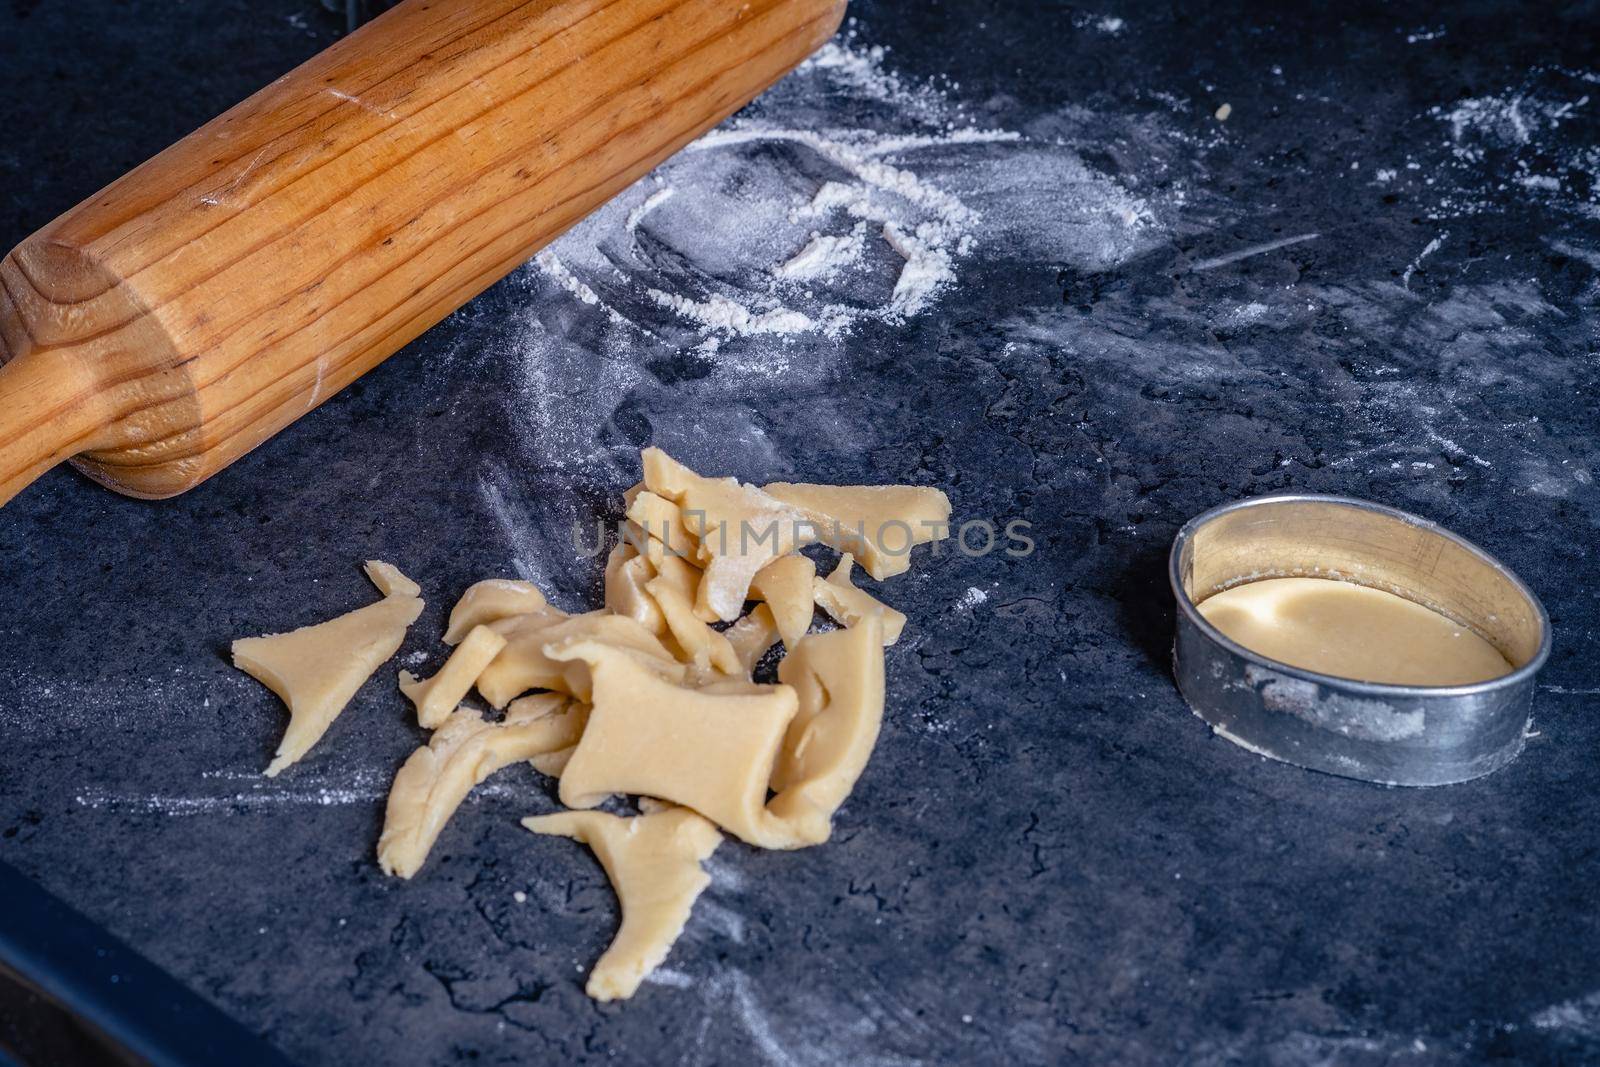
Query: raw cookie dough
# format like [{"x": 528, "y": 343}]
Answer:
[
  {"x": 317, "y": 669},
  {"x": 839, "y": 679},
  {"x": 673, "y": 590},
  {"x": 490, "y": 601},
  {"x": 553, "y": 763},
  {"x": 752, "y": 636},
  {"x": 464, "y": 751},
  {"x": 1352, "y": 631},
  {"x": 436, "y": 696},
  {"x": 653, "y": 861},
  {"x": 657, "y": 517},
  {"x": 627, "y": 574},
  {"x": 848, "y": 605},
  {"x": 785, "y": 586},
  {"x": 738, "y": 528},
  {"x": 524, "y": 664},
  {"x": 709, "y": 750},
  {"x": 651, "y": 697},
  {"x": 878, "y": 524}
]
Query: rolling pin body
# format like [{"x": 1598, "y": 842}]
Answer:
[{"x": 208, "y": 298}]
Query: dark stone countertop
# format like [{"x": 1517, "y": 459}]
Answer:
[{"x": 1049, "y": 859}]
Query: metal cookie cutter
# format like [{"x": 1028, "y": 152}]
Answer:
[{"x": 1395, "y": 734}]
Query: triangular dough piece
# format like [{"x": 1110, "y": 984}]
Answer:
[
  {"x": 436, "y": 696},
  {"x": 738, "y": 528},
  {"x": 465, "y": 750},
  {"x": 709, "y": 751},
  {"x": 653, "y": 862},
  {"x": 523, "y": 665},
  {"x": 490, "y": 601},
  {"x": 785, "y": 585},
  {"x": 879, "y": 524},
  {"x": 839, "y": 679},
  {"x": 317, "y": 669},
  {"x": 847, "y": 605}
]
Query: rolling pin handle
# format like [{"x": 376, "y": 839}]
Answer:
[{"x": 47, "y": 414}]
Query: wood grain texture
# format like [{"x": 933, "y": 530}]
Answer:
[{"x": 208, "y": 298}]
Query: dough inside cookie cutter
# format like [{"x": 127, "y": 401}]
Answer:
[{"x": 1395, "y": 734}]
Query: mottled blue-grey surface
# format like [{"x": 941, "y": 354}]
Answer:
[{"x": 1376, "y": 277}]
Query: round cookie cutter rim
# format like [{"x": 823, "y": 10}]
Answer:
[{"x": 1518, "y": 678}]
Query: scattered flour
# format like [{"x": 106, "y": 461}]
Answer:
[
  {"x": 1429, "y": 249},
  {"x": 259, "y": 793},
  {"x": 668, "y": 977},
  {"x": 651, "y": 202},
  {"x": 847, "y": 197},
  {"x": 1508, "y": 141},
  {"x": 728, "y": 316},
  {"x": 824, "y": 255},
  {"x": 1579, "y": 1016},
  {"x": 779, "y": 226},
  {"x": 928, "y": 266},
  {"x": 552, "y": 266}
]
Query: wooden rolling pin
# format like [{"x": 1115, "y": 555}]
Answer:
[{"x": 181, "y": 316}]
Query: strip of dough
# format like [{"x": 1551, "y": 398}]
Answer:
[
  {"x": 708, "y": 750},
  {"x": 653, "y": 862},
  {"x": 316, "y": 670},
  {"x": 627, "y": 574},
  {"x": 465, "y": 750},
  {"x": 673, "y": 591},
  {"x": 490, "y": 601},
  {"x": 435, "y": 697},
  {"x": 839, "y": 679},
  {"x": 389, "y": 580},
  {"x": 738, "y": 528},
  {"x": 847, "y": 605},
  {"x": 523, "y": 665},
  {"x": 656, "y": 516},
  {"x": 751, "y": 636},
  {"x": 879, "y": 524},
  {"x": 785, "y": 585}
]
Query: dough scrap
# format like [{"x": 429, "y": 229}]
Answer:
[
  {"x": 653, "y": 862},
  {"x": 785, "y": 585},
  {"x": 738, "y": 528},
  {"x": 870, "y": 521},
  {"x": 707, "y": 750},
  {"x": 553, "y": 764},
  {"x": 649, "y": 698},
  {"x": 435, "y": 697},
  {"x": 317, "y": 669},
  {"x": 848, "y": 605},
  {"x": 465, "y": 750},
  {"x": 627, "y": 574},
  {"x": 489, "y": 601},
  {"x": 389, "y": 580},
  {"x": 523, "y": 664},
  {"x": 752, "y": 636},
  {"x": 673, "y": 591},
  {"x": 838, "y": 677},
  {"x": 657, "y": 517}
]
